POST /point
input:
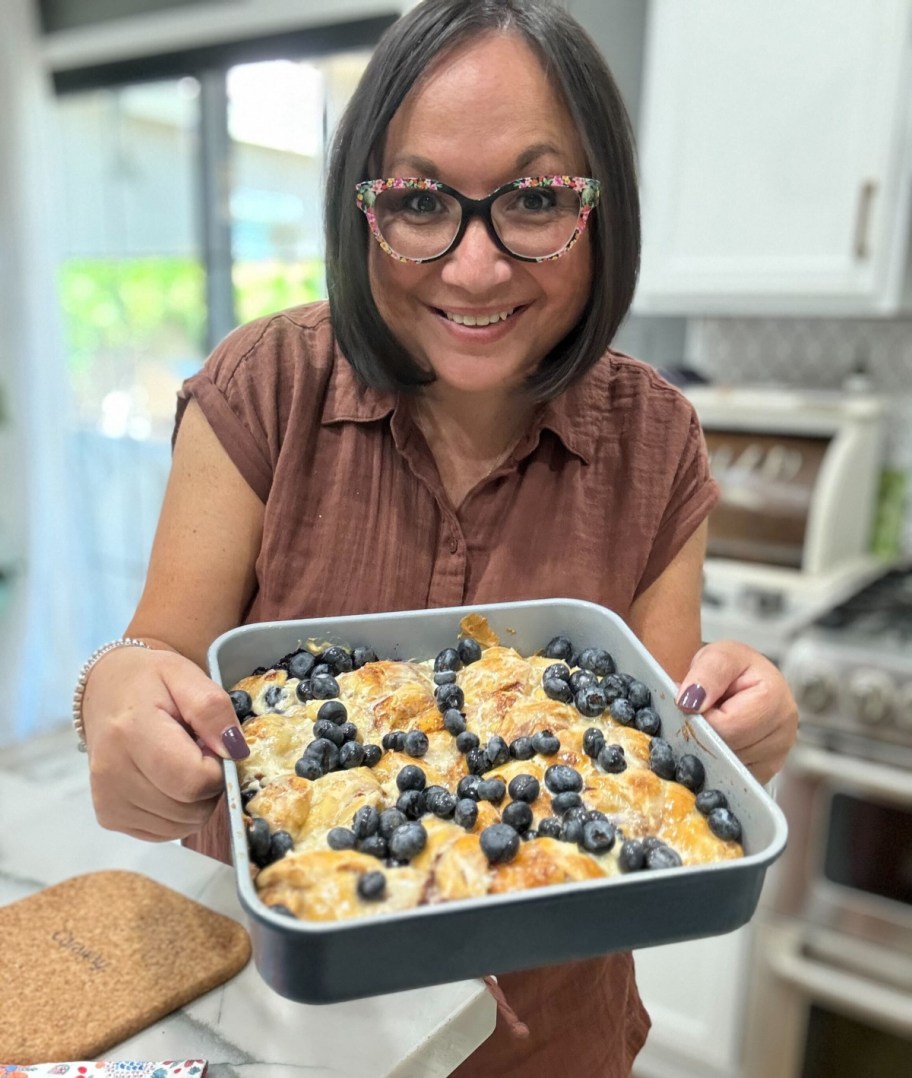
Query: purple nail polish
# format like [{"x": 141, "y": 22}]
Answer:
[
  {"x": 234, "y": 742},
  {"x": 692, "y": 698}
]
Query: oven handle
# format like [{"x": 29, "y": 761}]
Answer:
[
  {"x": 873, "y": 779},
  {"x": 857, "y": 996}
]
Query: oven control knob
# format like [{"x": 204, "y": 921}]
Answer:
[
  {"x": 873, "y": 696},
  {"x": 815, "y": 689},
  {"x": 904, "y": 708}
]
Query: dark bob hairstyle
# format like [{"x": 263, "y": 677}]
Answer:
[{"x": 576, "y": 68}]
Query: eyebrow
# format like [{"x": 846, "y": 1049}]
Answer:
[{"x": 424, "y": 167}]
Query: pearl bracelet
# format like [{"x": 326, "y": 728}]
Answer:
[{"x": 79, "y": 691}]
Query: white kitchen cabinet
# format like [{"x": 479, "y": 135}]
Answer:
[
  {"x": 776, "y": 157},
  {"x": 695, "y": 994}
]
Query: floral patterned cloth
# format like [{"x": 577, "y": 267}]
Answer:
[{"x": 185, "y": 1068}]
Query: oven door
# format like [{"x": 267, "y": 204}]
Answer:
[{"x": 832, "y": 993}]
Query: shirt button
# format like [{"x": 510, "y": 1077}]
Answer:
[{"x": 454, "y": 545}]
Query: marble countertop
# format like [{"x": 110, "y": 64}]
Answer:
[{"x": 243, "y": 1028}]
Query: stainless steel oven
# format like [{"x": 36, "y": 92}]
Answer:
[{"x": 832, "y": 990}]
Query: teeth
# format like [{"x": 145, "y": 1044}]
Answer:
[{"x": 479, "y": 319}]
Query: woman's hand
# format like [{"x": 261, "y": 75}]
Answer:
[
  {"x": 155, "y": 727},
  {"x": 745, "y": 698}
]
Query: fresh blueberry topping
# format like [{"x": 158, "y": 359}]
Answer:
[
  {"x": 493, "y": 790},
  {"x": 466, "y": 813},
  {"x": 411, "y": 777},
  {"x": 476, "y": 761},
  {"x": 558, "y": 689},
  {"x": 450, "y": 696},
  {"x": 448, "y": 659},
  {"x": 638, "y": 694},
  {"x": 582, "y": 679},
  {"x": 337, "y": 659},
  {"x": 371, "y": 886},
  {"x": 300, "y": 664},
  {"x": 662, "y": 856},
  {"x": 324, "y": 687},
  {"x": 690, "y": 772},
  {"x": 407, "y": 841},
  {"x": 565, "y": 801},
  {"x": 466, "y": 741},
  {"x": 361, "y": 656},
  {"x": 279, "y": 844},
  {"x": 454, "y": 721},
  {"x": 304, "y": 690},
  {"x": 558, "y": 671},
  {"x": 615, "y": 687},
  {"x": 241, "y": 702},
  {"x": 440, "y": 801},
  {"x": 323, "y": 728},
  {"x": 661, "y": 758},
  {"x": 393, "y": 740},
  {"x": 366, "y": 821},
  {"x": 468, "y": 787},
  {"x": 413, "y": 803},
  {"x": 309, "y": 767},
  {"x": 597, "y": 660},
  {"x": 593, "y": 742},
  {"x": 707, "y": 800},
  {"x": 522, "y": 748},
  {"x": 518, "y": 815},
  {"x": 273, "y": 695},
  {"x": 591, "y": 701},
  {"x": 373, "y": 845},
  {"x": 545, "y": 743},
  {"x": 622, "y": 711},
  {"x": 445, "y": 677},
  {"x": 598, "y": 836},
  {"x": 648, "y": 721},
  {"x": 258, "y": 840},
  {"x": 321, "y": 669},
  {"x": 561, "y": 777},
  {"x": 724, "y": 824},
  {"x": 341, "y": 838},
  {"x": 558, "y": 648},
  {"x": 571, "y": 829},
  {"x": 416, "y": 743},
  {"x": 349, "y": 731},
  {"x": 497, "y": 751},
  {"x": 390, "y": 819},
  {"x": 499, "y": 842},
  {"x": 351, "y": 755},
  {"x": 632, "y": 856},
  {"x": 611, "y": 759},
  {"x": 549, "y": 827},
  {"x": 333, "y": 711},
  {"x": 524, "y": 788},
  {"x": 469, "y": 650}
]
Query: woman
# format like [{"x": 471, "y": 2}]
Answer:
[{"x": 451, "y": 428}]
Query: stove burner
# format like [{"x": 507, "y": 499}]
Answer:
[{"x": 882, "y": 609}]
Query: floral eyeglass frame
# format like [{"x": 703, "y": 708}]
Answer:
[{"x": 367, "y": 191}]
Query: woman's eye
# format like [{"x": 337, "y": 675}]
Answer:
[
  {"x": 421, "y": 203},
  {"x": 535, "y": 201}
]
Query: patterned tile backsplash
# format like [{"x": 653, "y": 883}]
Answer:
[{"x": 818, "y": 354}]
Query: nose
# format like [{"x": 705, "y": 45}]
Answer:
[{"x": 476, "y": 265}]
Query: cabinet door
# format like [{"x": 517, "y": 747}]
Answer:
[{"x": 775, "y": 156}]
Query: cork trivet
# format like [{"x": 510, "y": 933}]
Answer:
[{"x": 87, "y": 963}]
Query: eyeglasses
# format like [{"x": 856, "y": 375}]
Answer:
[{"x": 533, "y": 219}]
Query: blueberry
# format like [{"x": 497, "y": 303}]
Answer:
[
  {"x": 442, "y": 804},
  {"x": 648, "y": 721},
  {"x": 351, "y": 755},
  {"x": 571, "y": 830},
  {"x": 468, "y": 787},
  {"x": 558, "y": 648},
  {"x": 662, "y": 856},
  {"x": 565, "y": 801},
  {"x": 371, "y": 886},
  {"x": 707, "y": 800},
  {"x": 323, "y": 728},
  {"x": 467, "y": 741},
  {"x": 416, "y": 743},
  {"x": 558, "y": 689},
  {"x": 324, "y": 687},
  {"x": 622, "y": 711},
  {"x": 582, "y": 679},
  {"x": 413, "y": 803},
  {"x": 407, "y": 841},
  {"x": 518, "y": 815},
  {"x": 493, "y": 790},
  {"x": 333, "y": 711},
  {"x": 576, "y": 812},
  {"x": 448, "y": 659},
  {"x": 361, "y": 656},
  {"x": 325, "y": 751},
  {"x": 561, "y": 777},
  {"x": 309, "y": 767},
  {"x": 593, "y": 742},
  {"x": 522, "y": 748},
  {"x": 690, "y": 772},
  {"x": 349, "y": 731},
  {"x": 366, "y": 821},
  {"x": 301, "y": 664},
  {"x": 724, "y": 824},
  {"x": 524, "y": 788},
  {"x": 248, "y": 794},
  {"x": 612, "y": 760},
  {"x": 632, "y": 856},
  {"x": 558, "y": 671},
  {"x": 454, "y": 721},
  {"x": 304, "y": 690},
  {"x": 241, "y": 702},
  {"x": 638, "y": 694},
  {"x": 598, "y": 836},
  {"x": 373, "y": 846},
  {"x": 591, "y": 701},
  {"x": 597, "y": 660},
  {"x": 549, "y": 827},
  {"x": 466, "y": 813},
  {"x": 476, "y": 761},
  {"x": 280, "y": 843},
  {"x": 445, "y": 677},
  {"x": 390, "y": 819},
  {"x": 615, "y": 687},
  {"x": 393, "y": 740},
  {"x": 450, "y": 696},
  {"x": 411, "y": 777},
  {"x": 337, "y": 659},
  {"x": 321, "y": 670},
  {"x": 545, "y": 743},
  {"x": 661, "y": 758},
  {"x": 273, "y": 695},
  {"x": 499, "y": 842},
  {"x": 258, "y": 840},
  {"x": 594, "y": 814},
  {"x": 340, "y": 838},
  {"x": 469, "y": 650},
  {"x": 497, "y": 751}
]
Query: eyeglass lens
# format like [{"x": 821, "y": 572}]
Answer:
[{"x": 532, "y": 222}]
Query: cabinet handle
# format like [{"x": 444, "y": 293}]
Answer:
[{"x": 866, "y": 195}]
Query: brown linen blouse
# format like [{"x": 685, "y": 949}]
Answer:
[{"x": 595, "y": 501}]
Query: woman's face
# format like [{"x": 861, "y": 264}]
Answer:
[{"x": 485, "y": 115}]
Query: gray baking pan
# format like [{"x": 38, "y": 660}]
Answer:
[{"x": 330, "y": 962}]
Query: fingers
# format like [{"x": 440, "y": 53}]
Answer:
[{"x": 207, "y": 710}]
